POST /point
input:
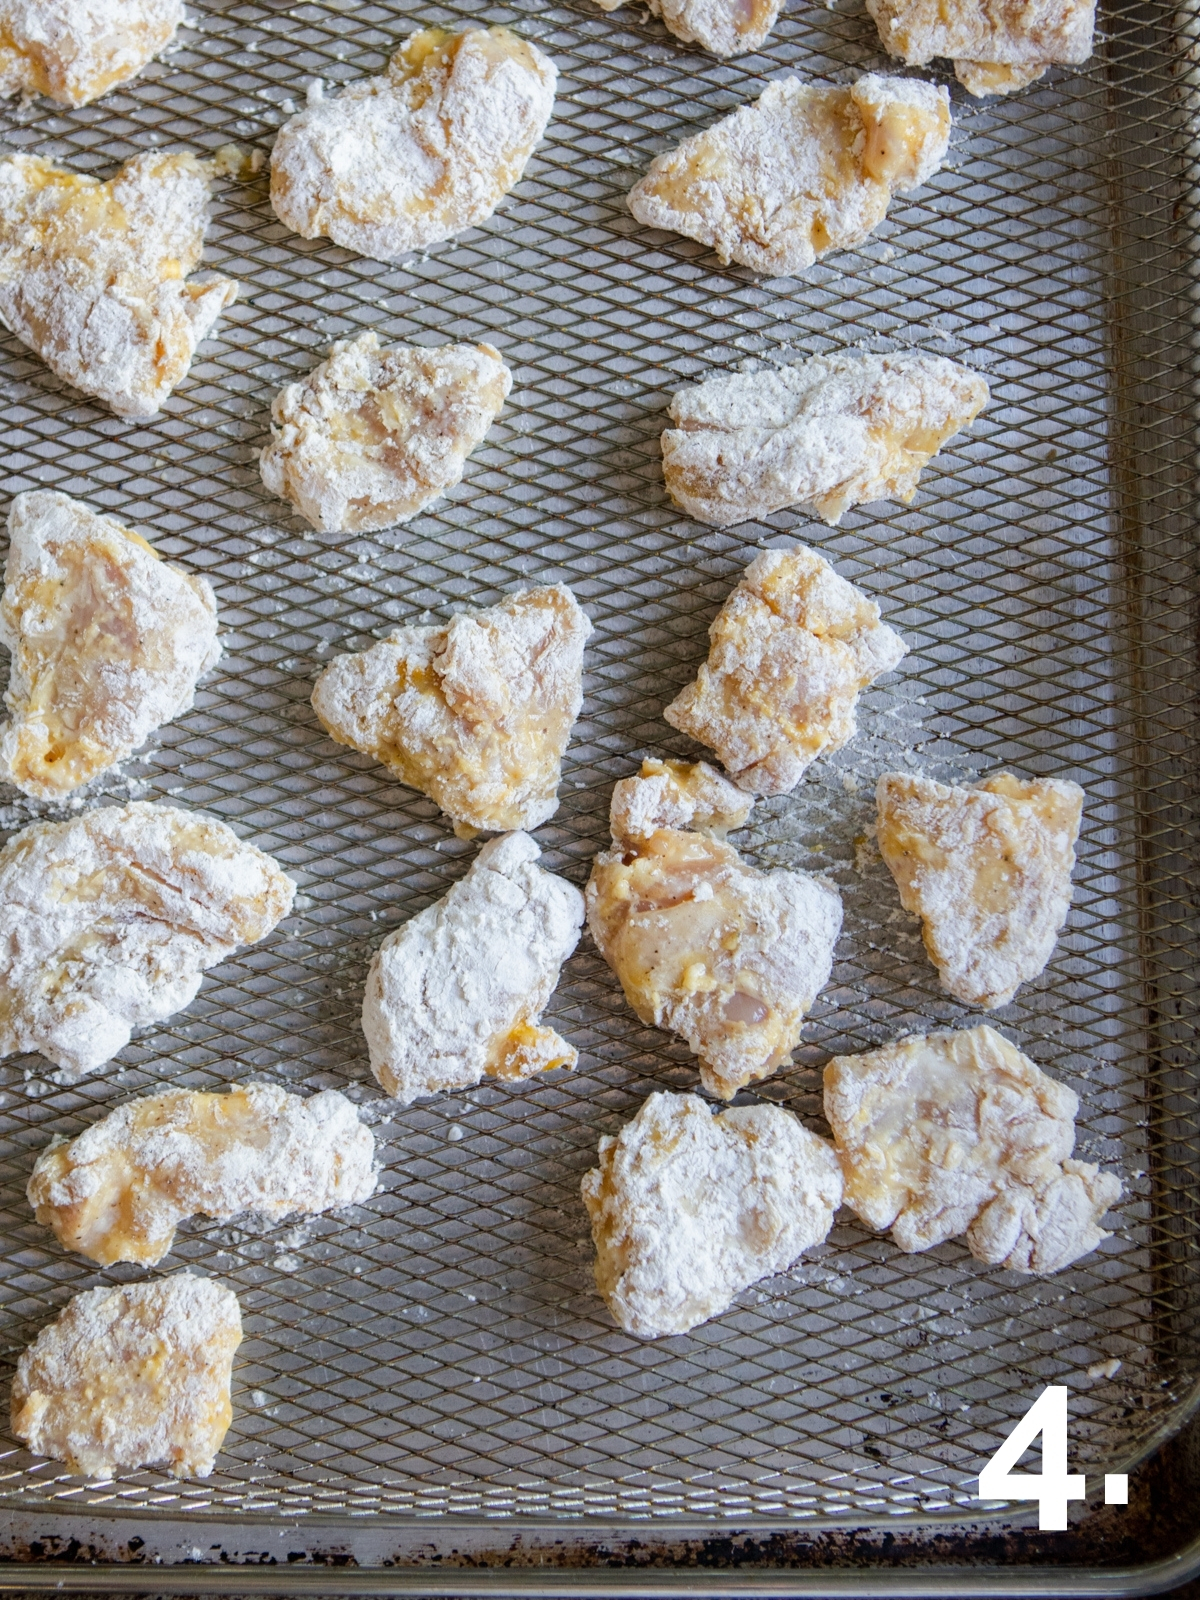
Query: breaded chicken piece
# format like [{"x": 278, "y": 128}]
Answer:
[
  {"x": 959, "y": 1133},
  {"x": 76, "y": 50},
  {"x": 107, "y": 642},
  {"x": 108, "y": 922},
  {"x": 997, "y": 46},
  {"x": 475, "y": 714},
  {"x": 418, "y": 154},
  {"x": 132, "y": 1377},
  {"x": 983, "y": 78},
  {"x": 371, "y": 437},
  {"x": 677, "y": 794},
  {"x": 457, "y": 993},
  {"x": 790, "y": 652},
  {"x": 93, "y": 276},
  {"x": 119, "y": 1191},
  {"x": 726, "y": 27},
  {"x": 688, "y": 1209},
  {"x": 833, "y": 432},
  {"x": 800, "y": 172},
  {"x": 988, "y": 871},
  {"x": 707, "y": 947}
]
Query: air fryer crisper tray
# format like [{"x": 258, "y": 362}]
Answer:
[{"x": 440, "y": 1353}]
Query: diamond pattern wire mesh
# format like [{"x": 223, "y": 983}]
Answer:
[{"x": 442, "y": 1348}]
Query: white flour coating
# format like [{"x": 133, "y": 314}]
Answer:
[
  {"x": 458, "y": 991},
  {"x": 475, "y": 714},
  {"x": 107, "y": 642},
  {"x": 119, "y": 1191},
  {"x": 132, "y": 1377},
  {"x": 959, "y": 1133},
  {"x": 726, "y": 27},
  {"x": 93, "y": 276},
  {"x": 800, "y": 172},
  {"x": 416, "y": 155},
  {"x": 108, "y": 922},
  {"x": 832, "y": 432},
  {"x": 688, "y": 1209},
  {"x": 988, "y": 871},
  {"x": 76, "y": 50},
  {"x": 371, "y": 437},
  {"x": 997, "y": 46},
  {"x": 790, "y": 651},
  {"x": 706, "y": 946},
  {"x": 677, "y": 794}
]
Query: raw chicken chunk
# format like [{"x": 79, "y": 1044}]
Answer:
[
  {"x": 800, "y": 172},
  {"x": 688, "y": 1209},
  {"x": 457, "y": 993},
  {"x": 791, "y": 650},
  {"x": 93, "y": 276},
  {"x": 119, "y": 1191},
  {"x": 76, "y": 52},
  {"x": 107, "y": 642},
  {"x": 959, "y": 1133},
  {"x": 726, "y": 27},
  {"x": 372, "y": 436},
  {"x": 988, "y": 871},
  {"x": 832, "y": 432},
  {"x": 677, "y": 794},
  {"x": 108, "y": 922},
  {"x": 728, "y": 957},
  {"x": 132, "y": 1377},
  {"x": 414, "y": 156},
  {"x": 997, "y": 46},
  {"x": 982, "y": 78},
  {"x": 475, "y": 714}
]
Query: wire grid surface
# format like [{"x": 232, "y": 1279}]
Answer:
[{"x": 442, "y": 1348}]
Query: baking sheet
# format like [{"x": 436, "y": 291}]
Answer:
[{"x": 441, "y": 1349}]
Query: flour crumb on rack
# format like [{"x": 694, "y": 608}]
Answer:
[
  {"x": 831, "y": 432},
  {"x": 76, "y": 52},
  {"x": 107, "y": 641},
  {"x": 688, "y": 1209},
  {"x": 109, "y": 921},
  {"x": 416, "y": 155},
  {"x": 800, "y": 172},
  {"x": 959, "y": 1133},
  {"x": 371, "y": 437},
  {"x": 988, "y": 871},
  {"x": 705, "y": 946},
  {"x": 94, "y": 276},
  {"x": 457, "y": 993},
  {"x": 726, "y": 27},
  {"x": 997, "y": 47},
  {"x": 789, "y": 654},
  {"x": 476, "y": 714},
  {"x": 136, "y": 1376},
  {"x": 119, "y": 1191}
]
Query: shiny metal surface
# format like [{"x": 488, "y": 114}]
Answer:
[{"x": 442, "y": 1350}]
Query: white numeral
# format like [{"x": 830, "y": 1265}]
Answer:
[{"x": 1053, "y": 1487}]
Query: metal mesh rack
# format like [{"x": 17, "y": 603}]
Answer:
[{"x": 442, "y": 1349}]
